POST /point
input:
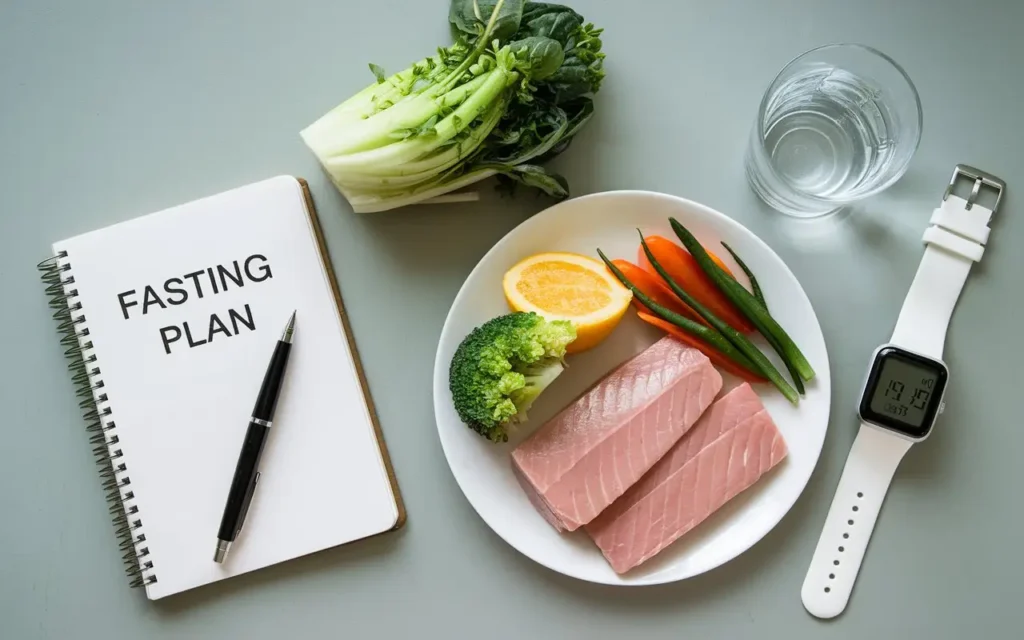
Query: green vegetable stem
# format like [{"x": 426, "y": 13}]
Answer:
[
  {"x": 748, "y": 305},
  {"x": 507, "y": 96},
  {"x": 763, "y": 364},
  {"x": 755, "y": 288}
]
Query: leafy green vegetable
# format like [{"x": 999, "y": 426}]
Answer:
[
  {"x": 506, "y": 97},
  {"x": 502, "y": 366}
]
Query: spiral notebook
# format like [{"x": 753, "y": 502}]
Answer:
[{"x": 170, "y": 320}]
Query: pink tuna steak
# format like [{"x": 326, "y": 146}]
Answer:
[
  {"x": 727, "y": 451},
  {"x": 596, "y": 448}
]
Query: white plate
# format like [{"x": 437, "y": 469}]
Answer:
[{"x": 609, "y": 221}]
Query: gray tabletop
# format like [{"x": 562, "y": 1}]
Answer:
[{"x": 110, "y": 109}]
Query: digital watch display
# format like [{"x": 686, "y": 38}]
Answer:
[{"x": 903, "y": 391}]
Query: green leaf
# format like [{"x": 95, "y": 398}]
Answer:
[
  {"x": 582, "y": 71},
  {"x": 580, "y": 113},
  {"x": 535, "y": 145},
  {"x": 402, "y": 134},
  {"x": 537, "y": 177},
  {"x": 427, "y": 128},
  {"x": 549, "y": 20},
  {"x": 473, "y": 16},
  {"x": 464, "y": 16},
  {"x": 574, "y": 79},
  {"x": 378, "y": 71},
  {"x": 542, "y": 55}
]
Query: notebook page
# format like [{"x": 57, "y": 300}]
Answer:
[{"x": 182, "y": 372}]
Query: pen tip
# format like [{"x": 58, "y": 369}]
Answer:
[{"x": 289, "y": 329}]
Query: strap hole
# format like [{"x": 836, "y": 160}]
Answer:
[
  {"x": 849, "y": 522},
  {"x": 846, "y": 536},
  {"x": 828, "y": 589},
  {"x": 860, "y": 495},
  {"x": 842, "y": 549},
  {"x": 856, "y": 508},
  {"x": 835, "y": 562},
  {"x": 831, "y": 576}
]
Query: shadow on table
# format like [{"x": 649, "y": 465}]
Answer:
[
  {"x": 863, "y": 226},
  {"x": 879, "y": 224}
]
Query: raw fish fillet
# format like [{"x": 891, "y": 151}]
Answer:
[
  {"x": 727, "y": 451},
  {"x": 588, "y": 455}
]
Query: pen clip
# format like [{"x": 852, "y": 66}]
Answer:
[{"x": 247, "y": 502}]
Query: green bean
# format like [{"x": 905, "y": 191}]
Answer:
[
  {"x": 755, "y": 288},
  {"x": 747, "y": 304}
]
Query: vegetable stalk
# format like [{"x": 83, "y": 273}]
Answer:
[
  {"x": 755, "y": 287},
  {"x": 507, "y": 96}
]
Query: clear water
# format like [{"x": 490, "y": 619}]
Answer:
[{"x": 829, "y": 134}]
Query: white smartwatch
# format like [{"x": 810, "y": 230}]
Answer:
[{"x": 903, "y": 391}]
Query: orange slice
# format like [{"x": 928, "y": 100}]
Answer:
[{"x": 569, "y": 286}]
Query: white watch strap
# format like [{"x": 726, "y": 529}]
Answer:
[
  {"x": 869, "y": 469},
  {"x": 954, "y": 242}
]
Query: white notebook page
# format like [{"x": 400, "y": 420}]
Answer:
[{"x": 180, "y": 416}]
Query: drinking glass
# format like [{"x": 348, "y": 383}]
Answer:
[{"x": 838, "y": 124}]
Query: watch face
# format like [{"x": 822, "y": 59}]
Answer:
[{"x": 903, "y": 391}]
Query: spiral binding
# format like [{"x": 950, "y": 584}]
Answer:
[{"x": 87, "y": 377}]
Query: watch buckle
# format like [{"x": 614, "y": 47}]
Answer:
[{"x": 980, "y": 178}]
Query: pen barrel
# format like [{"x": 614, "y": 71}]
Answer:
[
  {"x": 266, "y": 401},
  {"x": 245, "y": 470}
]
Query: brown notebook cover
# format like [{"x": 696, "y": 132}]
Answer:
[{"x": 329, "y": 268}]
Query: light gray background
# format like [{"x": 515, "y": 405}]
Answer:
[{"x": 111, "y": 109}]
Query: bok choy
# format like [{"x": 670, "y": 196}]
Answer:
[{"x": 507, "y": 96}]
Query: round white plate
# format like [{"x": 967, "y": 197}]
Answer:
[{"x": 609, "y": 221}]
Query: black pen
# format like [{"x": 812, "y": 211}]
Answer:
[{"x": 243, "y": 484}]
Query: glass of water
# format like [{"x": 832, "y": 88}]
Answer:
[{"x": 838, "y": 124}]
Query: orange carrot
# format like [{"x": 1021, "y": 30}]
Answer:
[
  {"x": 655, "y": 288},
  {"x": 684, "y": 269},
  {"x": 716, "y": 357},
  {"x": 711, "y": 254}
]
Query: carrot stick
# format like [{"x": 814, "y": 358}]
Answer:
[
  {"x": 686, "y": 273},
  {"x": 721, "y": 265},
  {"x": 656, "y": 289},
  {"x": 713, "y": 354}
]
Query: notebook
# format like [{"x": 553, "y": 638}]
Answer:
[{"x": 170, "y": 320}]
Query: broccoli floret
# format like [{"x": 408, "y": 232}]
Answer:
[{"x": 502, "y": 366}]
